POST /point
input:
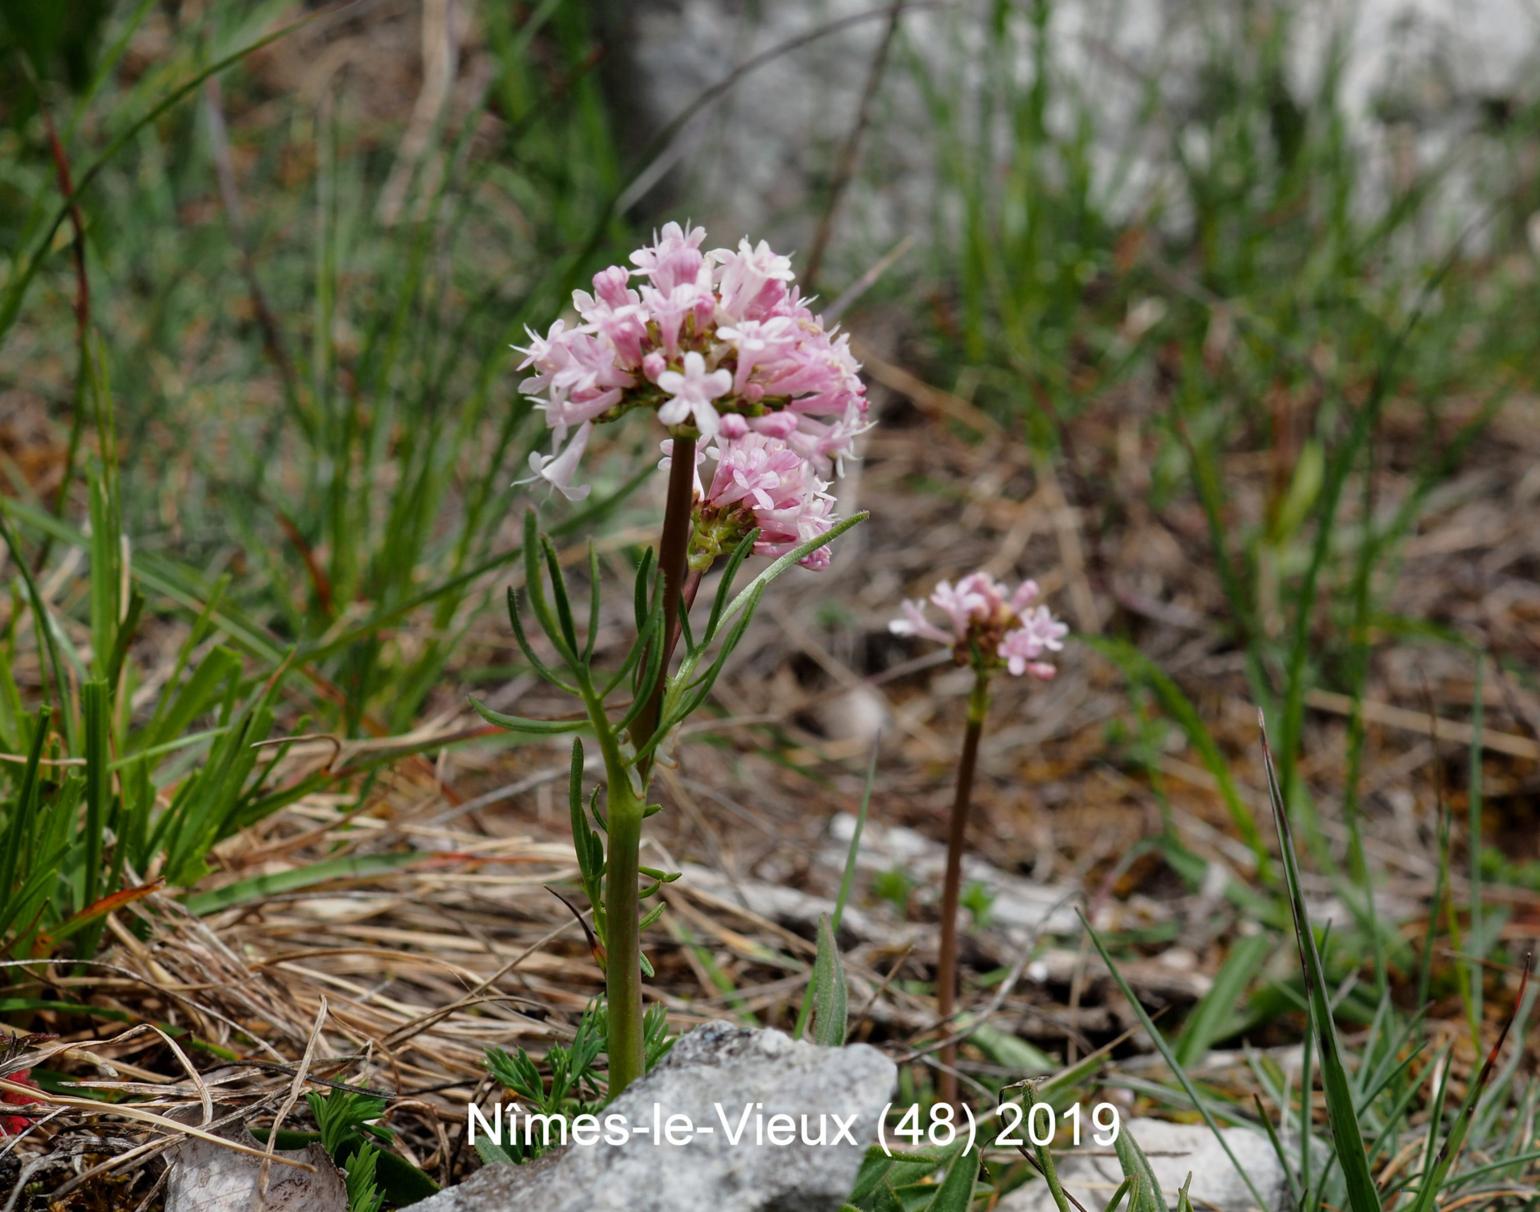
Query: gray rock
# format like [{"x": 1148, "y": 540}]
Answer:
[
  {"x": 1417, "y": 78},
  {"x": 206, "y": 1177},
  {"x": 711, "y": 1076},
  {"x": 1020, "y": 907},
  {"x": 1175, "y": 1151}
]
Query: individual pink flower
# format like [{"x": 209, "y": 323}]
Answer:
[
  {"x": 1023, "y": 647},
  {"x": 692, "y": 392},
  {"x": 558, "y": 469},
  {"x": 674, "y": 257},
  {"x": 912, "y": 621},
  {"x": 752, "y": 279},
  {"x": 987, "y": 624},
  {"x": 756, "y": 341}
]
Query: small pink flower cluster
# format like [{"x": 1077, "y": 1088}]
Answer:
[
  {"x": 985, "y": 618},
  {"x": 762, "y": 484},
  {"x": 721, "y": 345}
]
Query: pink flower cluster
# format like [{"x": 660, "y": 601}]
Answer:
[
  {"x": 720, "y": 344},
  {"x": 982, "y": 615},
  {"x": 762, "y": 484}
]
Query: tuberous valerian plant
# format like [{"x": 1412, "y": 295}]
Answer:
[
  {"x": 759, "y": 405},
  {"x": 989, "y": 629}
]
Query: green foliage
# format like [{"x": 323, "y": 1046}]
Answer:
[
  {"x": 110, "y": 793},
  {"x": 570, "y": 1081},
  {"x": 1145, "y": 1194},
  {"x": 573, "y": 1078},
  {"x": 1341, "y": 1109},
  {"x": 896, "y": 886},
  {"x": 929, "y": 1180},
  {"x": 830, "y": 992},
  {"x": 628, "y": 736},
  {"x": 978, "y": 901},
  {"x": 364, "y": 1194},
  {"x": 1281, "y": 301},
  {"x": 382, "y": 496},
  {"x": 1212, "y": 1018},
  {"x": 345, "y": 1117},
  {"x": 59, "y": 43},
  {"x": 826, "y": 991},
  {"x": 656, "y": 1041},
  {"x": 360, "y": 1146},
  {"x": 1377, "y": 1105}
]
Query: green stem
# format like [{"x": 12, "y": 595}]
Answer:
[
  {"x": 625, "y": 808},
  {"x": 951, "y": 889},
  {"x": 627, "y": 800},
  {"x": 623, "y": 955}
]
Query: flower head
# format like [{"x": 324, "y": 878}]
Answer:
[
  {"x": 987, "y": 625},
  {"x": 717, "y": 343}
]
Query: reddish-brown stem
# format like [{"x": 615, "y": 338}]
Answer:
[
  {"x": 673, "y": 547},
  {"x": 61, "y": 165},
  {"x": 951, "y": 889}
]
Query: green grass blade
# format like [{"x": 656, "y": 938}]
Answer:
[
  {"x": 1342, "y": 1115},
  {"x": 1209, "y": 1016},
  {"x": 259, "y": 887},
  {"x": 847, "y": 879},
  {"x": 1475, "y": 936},
  {"x": 1169, "y": 1055},
  {"x": 1136, "y": 665},
  {"x": 98, "y": 800},
  {"x": 1433, "y": 1180}
]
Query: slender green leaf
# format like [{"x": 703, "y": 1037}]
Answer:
[
  {"x": 1341, "y": 1113},
  {"x": 830, "y": 993}
]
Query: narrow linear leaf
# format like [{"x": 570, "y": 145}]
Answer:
[
  {"x": 518, "y": 723},
  {"x": 1363, "y": 1195},
  {"x": 955, "y": 1194}
]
